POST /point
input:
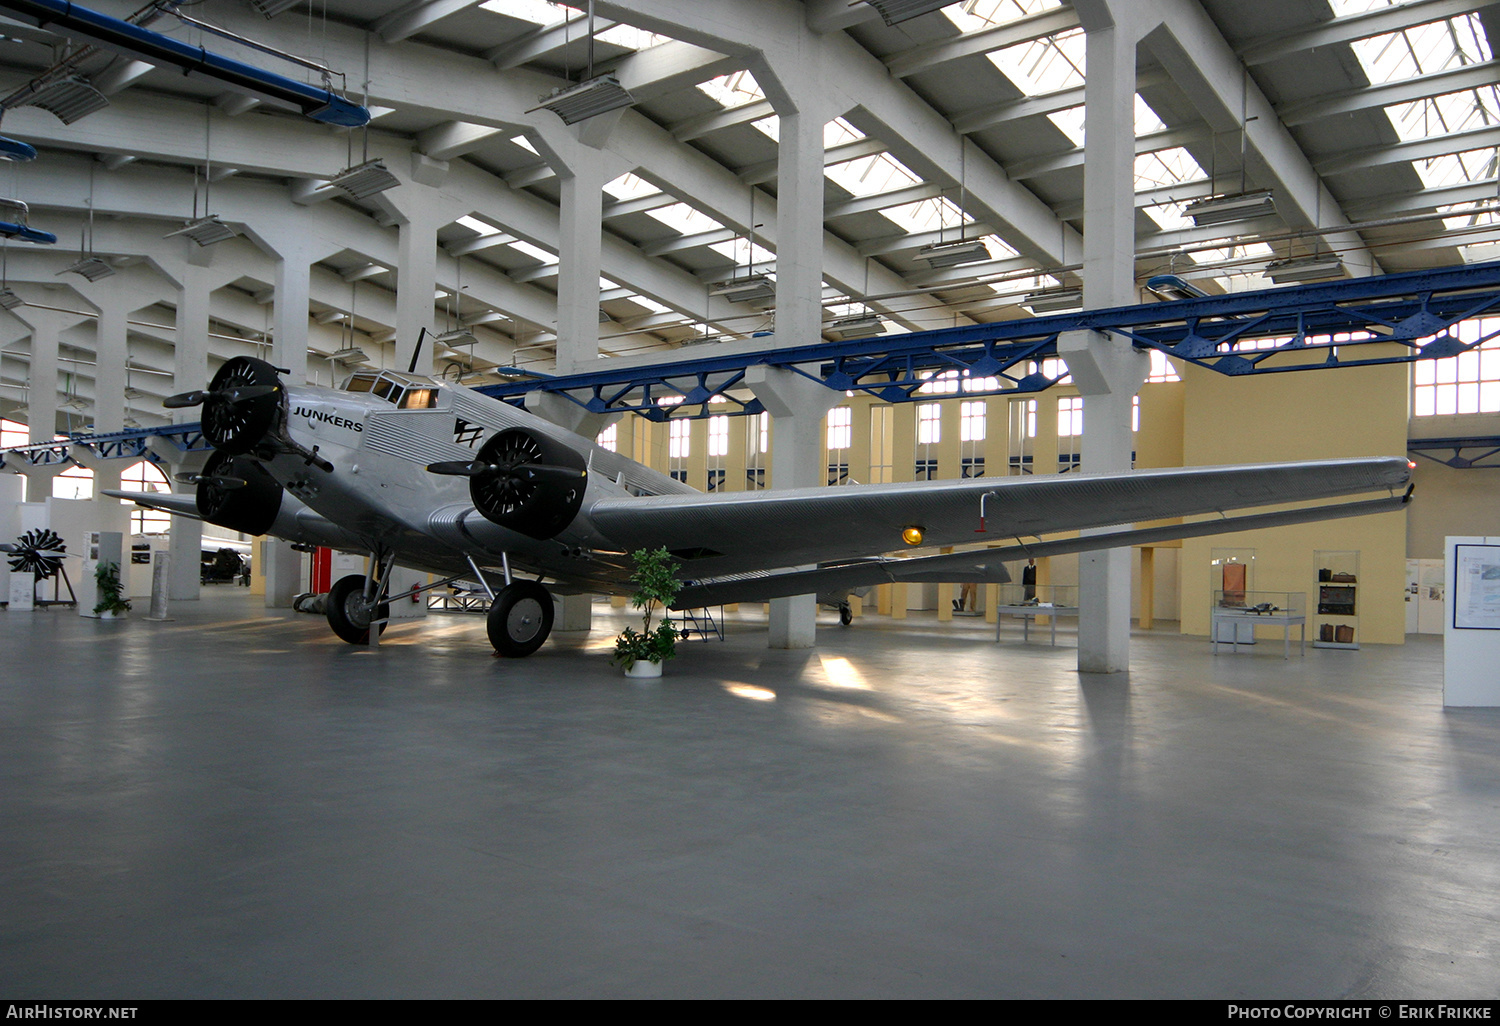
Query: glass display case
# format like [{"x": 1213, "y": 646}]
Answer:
[
  {"x": 1231, "y": 572},
  {"x": 1236, "y": 614},
  {"x": 1336, "y": 617}
]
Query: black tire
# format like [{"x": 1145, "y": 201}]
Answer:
[
  {"x": 348, "y": 614},
  {"x": 520, "y": 618},
  {"x": 846, "y": 614}
]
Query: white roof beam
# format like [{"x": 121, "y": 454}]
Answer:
[
  {"x": 1022, "y": 30},
  {"x": 765, "y": 171},
  {"x": 453, "y": 139},
  {"x": 1376, "y": 208},
  {"x": 1424, "y": 148},
  {"x": 1372, "y": 97},
  {"x": 718, "y": 120},
  {"x": 1354, "y": 26},
  {"x": 882, "y": 201},
  {"x": 1032, "y": 167},
  {"x": 682, "y": 242},
  {"x": 542, "y": 41},
  {"x": 906, "y": 243},
  {"x": 669, "y": 67},
  {"x": 480, "y": 244},
  {"x": 1194, "y": 52},
  {"x": 121, "y": 75},
  {"x": 407, "y": 21}
]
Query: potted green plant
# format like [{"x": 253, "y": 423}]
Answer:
[
  {"x": 112, "y": 603},
  {"x": 642, "y": 652}
]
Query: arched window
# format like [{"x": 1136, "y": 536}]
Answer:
[
  {"x": 145, "y": 476},
  {"x": 74, "y": 483}
]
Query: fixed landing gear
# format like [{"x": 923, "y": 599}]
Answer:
[
  {"x": 350, "y": 613},
  {"x": 520, "y": 618},
  {"x": 846, "y": 614}
]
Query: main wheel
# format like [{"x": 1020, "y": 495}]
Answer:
[
  {"x": 520, "y": 618},
  {"x": 846, "y": 614},
  {"x": 349, "y": 614}
]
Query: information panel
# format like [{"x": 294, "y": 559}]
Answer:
[{"x": 1476, "y": 586}]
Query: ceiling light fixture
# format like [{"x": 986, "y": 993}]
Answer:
[
  {"x": 1054, "y": 300},
  {"x": 9, "y": 300},
  {"x": 91, "y": 267},
  {"x": 862, "y": 326},
  {"x": 68, "y": 99},
  {"x": 205, "y": 231},
  {"x": 364, "y": 180},
  {"x": 744, "y": 289},
  {"x": 952, "y": 254},
  {"x": 1303, "y": 269},
  {"x": 586, "y": 100},
  {"x": 350, "y": 354},
  {"x": 14, "y": 149},
  {"x": 1229, "y": 208}
]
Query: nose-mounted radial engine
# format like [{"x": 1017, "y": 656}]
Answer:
[{"x": 243, "y": 407}]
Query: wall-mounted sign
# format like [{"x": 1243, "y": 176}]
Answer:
[{"x": 1476, "y": 587}]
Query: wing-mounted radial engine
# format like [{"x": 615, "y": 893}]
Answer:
[
  {"x": 237, "y": 492},
  {"x": 524, "y": 481},
  {"x": 243, "y": 407}
]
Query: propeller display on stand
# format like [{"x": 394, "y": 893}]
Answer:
[
  {"x": 38, "y": 552},
  {"x": 523, "y": 481}
]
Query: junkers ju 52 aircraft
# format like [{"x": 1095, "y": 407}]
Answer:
[{"x": 443, "y": 479}]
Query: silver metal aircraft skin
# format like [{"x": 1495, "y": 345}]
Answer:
[{"x": 443, "y": 479}]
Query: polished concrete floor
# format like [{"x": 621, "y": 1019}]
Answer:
[{"x": 235, "y": 804}]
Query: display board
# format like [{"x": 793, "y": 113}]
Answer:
[{"x": 1471, "y": 634}]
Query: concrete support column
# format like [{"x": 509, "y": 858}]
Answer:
[
  {"x": 186, "y": 543},
  {"x": 111, "y": 346},
  {"x": 799, "y": 227},
  {"x": 1107, "y": 371},
  {"x": 416, "y": 278},
  {"x": 289, "y": 320},
  {"x": 580, "y": 249},
  {"x": 195, "y": 285},
  {"x": 41, "y": 394},
  {"x": 283, "y": 567},
  {"x": 797, "y": 406}
]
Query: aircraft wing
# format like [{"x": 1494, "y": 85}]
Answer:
[
  {"x": 735, "y": 532},
  {"x": 176, "y": 503}
]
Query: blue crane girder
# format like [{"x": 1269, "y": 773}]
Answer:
[{"x": 1237, "y": 334}]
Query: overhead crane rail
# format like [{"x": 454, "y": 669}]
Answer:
[
  {"x": 1306, "y": 327},
  {"x": 1417, "y": 311}
]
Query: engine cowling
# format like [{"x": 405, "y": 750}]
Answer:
[
  {"x": 530, "y": 483},
  {"x": 235, "y": 423},
  {"x": 250, "y": 508}
]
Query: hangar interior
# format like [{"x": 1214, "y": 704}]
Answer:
[{"x": 755, "y": 177}]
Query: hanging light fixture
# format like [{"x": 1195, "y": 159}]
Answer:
[
  {"x": 1053, "y": 300},
  {"x": 590, "y": 98},
  {"x": 1319, "y": 267},
  {"x": 952, "y": 254},
  {"x": 88, "y": 265},
  {"x": 205, "y": 231},
  {"x": 365, "y": 180},
  {"x": 68, "y": 98},
  {"x": 744, "y": 288},
  {"x": 863, "y": 325},
  {"x": 1227, "y": 209}
]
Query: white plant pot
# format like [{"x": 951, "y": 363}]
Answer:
[
  {"x": 643, "y": 668},
  {"x": 110, "y": 614}
]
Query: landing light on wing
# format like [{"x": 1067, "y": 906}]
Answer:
[{"x": 912, "y": 536}]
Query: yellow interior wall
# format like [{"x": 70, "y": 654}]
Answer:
[{"x": 1302, "y": 416}]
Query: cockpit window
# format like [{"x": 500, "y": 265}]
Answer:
[{"x": 404, "y": 391}]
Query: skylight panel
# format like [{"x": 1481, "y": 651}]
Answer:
[
  {"x": 1043, "y": 65},
  {"x": 686, "y": 219},
  {"x": 1171, "y": 166},
  {"x": 1253, "y": 251},
  {"x": 1468, "y": 215},
  {"x": 928, "y": 215},
  {"x": 733, "y": 90},
  {"x": 1169, "y": 217},
  {"x": 631, "y": 38},
  {"x": 538, "y": 12},
  {"x": 522, "y": 246},
  {"x": 869, "y": 176},
  {"x": 1451, "y": 112},
  {"x": 1456, "y": 168},
  {"x": 838, "y": 131},
  {"x": 1423, "y": 49},
  {"x": 1070, "y": 121},
  {"x": 977, "y": 15},
  {"x": 742, "y": 252},
  {"x": 476, "y": 225},
  {"x": 630, "y": 186},
  {"x": 525, "y": 144}
]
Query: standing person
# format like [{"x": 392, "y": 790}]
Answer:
[
  {"x": 1028, "y": 581},
  {"x": 968, "y": 598}
]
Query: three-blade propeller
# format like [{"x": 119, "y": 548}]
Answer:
[{"x": 234, "y": 394}]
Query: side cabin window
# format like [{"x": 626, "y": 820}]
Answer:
[{"x": 418, "y": 399}]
